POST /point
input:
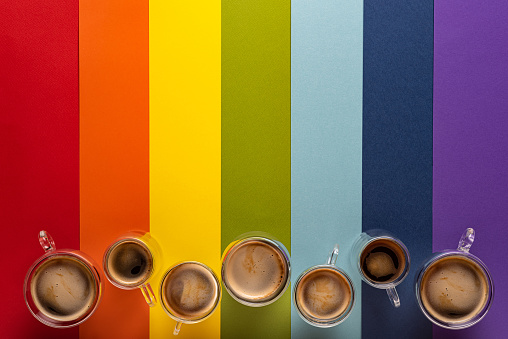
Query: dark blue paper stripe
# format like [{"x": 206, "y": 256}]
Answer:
[{"x": 397, "y": 150}]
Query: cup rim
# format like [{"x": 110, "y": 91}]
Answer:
[
  {"x": 182, "y": 320},
  {"x": 271, "y": 242},
  {"x": 340, "y": 319},
  {"x": 107, "y": 253},
  {"x": 395, "y": 282},
  {"x": 490, "y": 283},
  {"x": 82, "y": 258}
]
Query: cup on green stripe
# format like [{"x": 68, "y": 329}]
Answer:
[
  {"x": 256, "y": 269},
  {"x": 324, "y": 295},
  {"x": 381, "y": 260}
]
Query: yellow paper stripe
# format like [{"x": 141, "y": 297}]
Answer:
[{"x": 185, "y": 143}]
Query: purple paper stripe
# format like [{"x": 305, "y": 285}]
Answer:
[{"x": 471, "y": 142}]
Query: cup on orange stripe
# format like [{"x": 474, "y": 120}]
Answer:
[
  {"x": 131, "y": 260},
  {"x": 256, "y": 269},
  {"x": 63, "y": 287},
  {"x": 189, "y": 292}
]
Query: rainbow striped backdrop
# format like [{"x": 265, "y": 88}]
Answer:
[{"x": 198, "y": 121}]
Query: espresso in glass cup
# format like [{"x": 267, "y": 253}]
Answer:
[
  {"x": 324, "y": 295},
  {"x": 381, "y": 260},
  {"x": 189, "y": 292},
  {"x": 454, "y": 288},
  {"x": 63, "y": 287},
  {"x": 131, "y": 260},
  {"x": 256, "y": 270}
]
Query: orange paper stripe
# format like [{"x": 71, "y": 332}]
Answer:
[{"x": 113, "y": 62}]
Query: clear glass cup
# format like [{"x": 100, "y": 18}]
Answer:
[
  {"x": 329, "y": 288},
  {"x": 256, "y": 269},
  {"x": 62, "y": 288},
  {"x": 380, "y": 252},
  {"x": 455, "y": 274},
  {"x": 189, "y": 292},
  {"x": 131, "y": 260}
]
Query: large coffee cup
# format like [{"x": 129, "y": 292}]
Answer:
[
  {"x": 63, "y": 287},
  {"x": 256, "y": 270},
  {"x": 131, "y": 260},
  {"x": 324, "y": 295},
  {"x": 454, "y": 288}
]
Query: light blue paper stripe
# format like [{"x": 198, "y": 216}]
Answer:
[{"x": 326, "y": 143}]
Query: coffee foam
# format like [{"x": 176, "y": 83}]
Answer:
[
  {"x": 383, "y": 261},
  {"x": 454, "y": 289},
  {"x": 129, "y": 263},
  {"x": 63, "y": 288},
  {"x": 190, "y": 291},
  {"x": 323, "y": 294},
  {"x": 255, "y": 271}
]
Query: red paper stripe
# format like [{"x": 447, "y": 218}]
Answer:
[{"x": 39, "y": 168}]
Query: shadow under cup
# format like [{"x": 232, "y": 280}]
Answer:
[{"x": 454, "y": 289}]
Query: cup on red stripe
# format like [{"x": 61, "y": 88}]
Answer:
[
  {"x": 131, "y": 260},
  {"x": 63, "y": 287},
  {"x": 255, "y": 269},
  {"x": 454, "y": 288},
  {"x": 381, "y": 260},
  {"x": 324, "y": 295}
]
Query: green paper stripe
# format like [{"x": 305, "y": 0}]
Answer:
[{"x": 256, "y": 145}]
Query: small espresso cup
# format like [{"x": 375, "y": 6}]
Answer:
[
  {"x": 130, "y": 261},
  {"x": 454, "y": 288},
  {"x": 63, "y": 287},
  {"x": 189, "y": 292},
  {"x": 381, "y": 260},
  {"x": 324, "y": 295},
  {"x": 256, "y": 269}
]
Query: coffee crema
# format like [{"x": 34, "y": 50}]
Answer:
[
  {"x": 255, "y": 271},
  {"x": 129, "y": 263},
  {"x": 190, "y": 292},
  {"x": 382, "y": 261},
  {"x": 323, "y": 295},
  {"x": 63, "y": 288},
  {"x": 454, "y": 289}
]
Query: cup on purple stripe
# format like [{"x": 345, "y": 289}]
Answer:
[
  {"x": 255, "y": 269},
  {"x": 454, "y": 288},
  {"x": 63, "y": 287},
  {"x": 381, "y": 260},
  {"x": 324, "y": 295},
  {"x": 131, "y": 260}
]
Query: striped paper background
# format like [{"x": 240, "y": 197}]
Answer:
[{"x": 199, "y": 121}]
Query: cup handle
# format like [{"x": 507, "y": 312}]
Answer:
[
  {"x": 178, "y": 326},
  {"x": 466, "y": 241},
  {"x": 46, "y": 241},
  {"x": 394, "y": 296},
  {"x": 147, "y": 291},
  {"x": 332, "y": 258}
]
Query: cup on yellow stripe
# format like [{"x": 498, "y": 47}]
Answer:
[
  {"x": 131, "y": 260},
  {"x": 256, "y": 269},
  {"x": 189, "y": 292}
]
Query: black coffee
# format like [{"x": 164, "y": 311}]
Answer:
[
  {"x": 383, "y": 261},
  {"x": 129, "y": 263}
]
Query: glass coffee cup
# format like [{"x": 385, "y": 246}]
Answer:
[
  {"x": 381, "y": 260},
  {"x": 131, "y": 260},
  {"x": 63, "y": 287},
  {"x": 454, "y": 288},
  {"x": 256, "y": 269},
  {"x": 189, "y": 292},
  {"x": 324, "y": 295}
]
